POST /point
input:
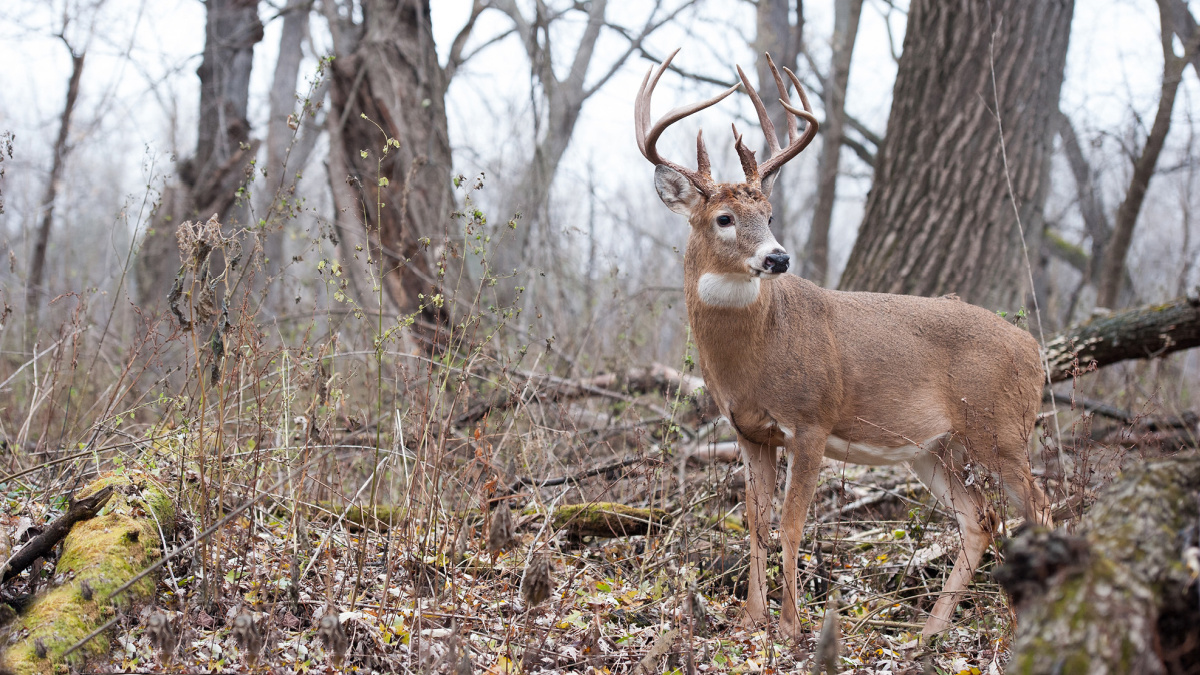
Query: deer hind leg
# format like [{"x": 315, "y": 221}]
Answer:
[
  {"x": 977, "y": 522},
  {"x": 1019, "y": 485},
  {"x": 761, "y": 474}
]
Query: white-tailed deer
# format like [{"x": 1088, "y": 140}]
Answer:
[{"x": 950, "y": 388}]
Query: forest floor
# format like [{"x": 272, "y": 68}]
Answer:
[{"x": 437, "y": 592}]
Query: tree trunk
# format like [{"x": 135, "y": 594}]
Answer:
[
  {"x": 389, "y": 85},
  {"x": 209, "y": 180},
  {"x": 1091, "y": 203},
  {"x": 1112, "y": 268},
  {"x": 1119, "y": 599},
  {"x": 37, "y": 263},
  {"x": 285, "y": 153},
  {"x": 1144, "y": 332},
  {"x": 845, "y": 30},
  {"x": 940, "y": 215},
  {"x": 778, "y": 37}
]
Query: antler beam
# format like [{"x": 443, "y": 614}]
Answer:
[
  {"x": 647, "y": 135},
  {"x": 761, "y": 174}
]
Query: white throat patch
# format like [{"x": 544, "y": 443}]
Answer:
[{"x": 728, "y": 290}]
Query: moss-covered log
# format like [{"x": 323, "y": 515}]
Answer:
[
  {"x": 105, "y": 552},
  {"x": 1119, "y": 598},
  {"x": 608, "y": 519},
  {"x": 599, "y": 519},
  {"x": 1143, "y": 332}
]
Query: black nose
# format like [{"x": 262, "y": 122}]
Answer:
[{"x": 777, "y": 262}]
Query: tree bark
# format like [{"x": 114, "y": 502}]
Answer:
[
  {"x": 1112, "y": 269},
  {"x": 940, "y": 216},
  {"x": 209, "y": 180},
  {"x": 845, "y": 29},
  {"x": 37, "y": 262},
  {"x": 387, "y": 74},
  {"x": 1143, "y": 332},
  {"x": 1120, "y": 598}
]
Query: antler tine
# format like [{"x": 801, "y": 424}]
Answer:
[
  {"x": 703, "y": 167},
  {"x": 794, "y": 146},
  {"x": 647, "y": 135},
  {"x": 764, "y": 120},
  {"x": 791, "y": 121},
  {"x": 746, "y": 156}
]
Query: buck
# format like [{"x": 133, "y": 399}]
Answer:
[{"x": 869, "y": 378}]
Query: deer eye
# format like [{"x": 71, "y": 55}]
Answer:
[
  {"x": 724, "y": 221},
  {"x": 770, "y": 219}
]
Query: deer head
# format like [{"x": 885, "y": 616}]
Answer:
[{"x": 730, "y": 221}]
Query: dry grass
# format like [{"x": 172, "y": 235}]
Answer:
[{"x": 430, "y": 426}]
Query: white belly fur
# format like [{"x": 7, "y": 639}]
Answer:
[{"x": 875, "y": 455}]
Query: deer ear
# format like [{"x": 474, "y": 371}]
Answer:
[
  {"x": 768, "y": 183},
  {"x": 676, "y": 191}
]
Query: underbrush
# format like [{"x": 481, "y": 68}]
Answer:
[{"x": 362, "y": 465}]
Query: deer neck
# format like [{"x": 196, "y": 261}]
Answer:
[{"x": 728, "y": 312}]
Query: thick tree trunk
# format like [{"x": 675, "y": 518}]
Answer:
[
  {"x": 391, "y": 80},
  {"x": 940, "y": 218},
  {"x": 1112, "y": 269},
  {"x": 833, "y": 130},
  {"x": 1144, "y": 332},
  {"x": 1119, "y": 599},
  {"x": 37, "y": 263},
  {"x": 209, "y": 180}
]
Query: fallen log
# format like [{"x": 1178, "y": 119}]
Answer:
[
  {"x": 1145, "y": 332},
  {"x": 99, "y": 555},
  {"x": 1120, "y": 597},
  {"x": 609, "y": 519}
]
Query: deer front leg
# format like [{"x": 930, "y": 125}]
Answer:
[
  {"x": 760, "y": 491},
  {"x": 805, "y": 451}
]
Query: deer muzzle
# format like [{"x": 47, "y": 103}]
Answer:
[{"x": 776, "y": 263}]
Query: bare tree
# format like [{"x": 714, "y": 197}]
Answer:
[
  {"x": 845, "y": 29},
  {"x": 37, "y": 261},
  {"x": 208, "y": 181},
  {"x": 564, "y": 99},
  {"x": 1112, "y": 269},
  {"x": 940, "y": 216}
]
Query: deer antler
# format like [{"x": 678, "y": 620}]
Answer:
[
  {"x": 647, "y": 136},
  {"x": 763, "y": 175}
]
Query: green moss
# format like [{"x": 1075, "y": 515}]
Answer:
[
  {"x": 609, "y": 519},
  {"x": 106, "y": 551}
]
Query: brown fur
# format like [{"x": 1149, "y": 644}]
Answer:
[
  {"x": 801, "y": 363},
  {"x": 950, "y": 388}
]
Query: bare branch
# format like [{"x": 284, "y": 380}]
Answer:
[{"x": 460, "y": 41}]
